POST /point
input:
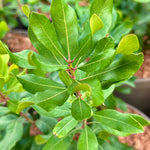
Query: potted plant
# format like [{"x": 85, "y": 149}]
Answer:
[{"x": 72, "y": 108}]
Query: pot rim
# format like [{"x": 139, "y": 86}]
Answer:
[{"x": 138, "y": 111}]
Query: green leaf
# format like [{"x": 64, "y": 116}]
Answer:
[
  {"x": 103, "y": 145},
  {"x": 4, "y": 28},
  {"x": 110, "y": 102},
  {"x": 109, "y": 91},
  {"x": 3, "y": 110},
  {"x": 128, "y": 44},
  {"x": 14, "y": 133},
  {"x": 59, "y": 111},
  {"x": 65, "y": 78},
  {"x": 75, "y": 87},
  {"x": 124, "y": 123},
  {"x": 64, "y": 126},
  {"x": 87, "y": 140},
  {"x": 2, "y": 82},
  {"x": 121, "y": 30},
  {"x": 2, "y": 48},
  {"x": 80, "y": 110},
  {"x": 33, "y": 83},
  {"x": 41, "y": 139},
  {"x": 121, "y": 69},
  {"x": 95, "y": 23},
  {"x": 4, "y": 59},
  {"x": 104, "y": 44},
  {"x": 43, "y": 37},
  {"x": 97, "y": 95},
  {"x": 46, "y": 124},
  {"x": 47, "y": 100},
  {"x": 6, "y": 120},
  {"x": 112, "y": 144},
  {"x": 142, "y": 1},
  {"x": 121, "y": 104},
  {"x": 12, "y": 105},
  {"x": 26, "y": 10},
  {"x": 55, "y": 143},
  {"x": 103, "y": 8},
  {"x": 43, "y": 64},
  {"x": 115, "y": 144},
  {"x": 21, "y": 59},
  {"x": 84, "y": 49},
  {"x": 99, "y": 62},
  {"x": 13, "y": 85},
  {"x": 65, "y": 23}
]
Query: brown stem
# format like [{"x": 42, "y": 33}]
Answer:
[
  {"x": 27, "y": 118},
  {"x": 84, "y": 123}
]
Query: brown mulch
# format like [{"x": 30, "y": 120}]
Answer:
[
  {"x": 34, "y": 130},
  {"x": 18, "y": 41},
  {"x": 139, "y": 141},
  {"x": 144, "y": 71}
]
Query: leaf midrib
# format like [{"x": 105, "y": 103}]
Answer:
[
  {"x": 67, "y": 39},
  {"x": 101, "y": 116},
  {"x": 104, "y": 72},
  {"x": 57, "y": 87},
  {"x": 64, "y": 127}
]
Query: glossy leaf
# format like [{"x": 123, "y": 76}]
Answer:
[
  {"x": 124, "y": 123},
  {"x": 64, "y": 126},
  {"x": 95, "y": 23},
  {"x": 128, "y": 44},
  {"x": 121, "y": 69},
  {"x": 65, "y": 78},
  {"x": 14, "y": 133},
  {"x": 80, "y": 110},
  {"x": 97, "y": 95},
  {"x": 59, "y": 111},
  {"x": 65, "y": 23},
  {"x": 75, "y": 87},
  {"x": 109, "y": 91},
  {"x": 43, "y": 64},
  {"x": 104, "y": 44},
  {"x": 103, "y": 8},
  {"x": 55, "y": 143},
  {"x": 33, "y": 83},
  {"x": 21, "y": 59},
  {"x": 99, "y": 62},
  {"x": 47, "y": 100},
  {"x": 84, "y": 49},
  {"x": 43, "y": 37},
  {"x": 87, "y": 140}
]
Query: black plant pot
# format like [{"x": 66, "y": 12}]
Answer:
[{"x": 140, "y": 96}]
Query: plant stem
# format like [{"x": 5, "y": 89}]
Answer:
[
  {"x": 27, "y": 118},
  {"x": 72, "y": 70}
]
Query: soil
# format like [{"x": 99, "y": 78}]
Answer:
[
  {"x": 144, "y": 71},
  {"x": 18, "y": 41},
  {"x": 139, "y": 141},
  {"x": 34, "y": 130}
]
